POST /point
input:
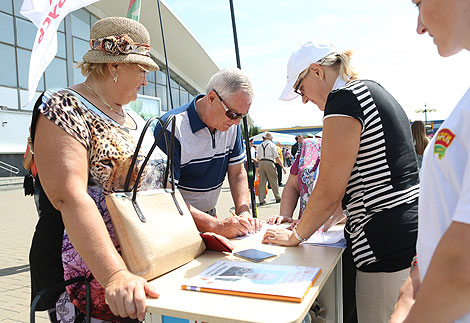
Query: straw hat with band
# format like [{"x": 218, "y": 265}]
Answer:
[{"x": 119, "y": 40}]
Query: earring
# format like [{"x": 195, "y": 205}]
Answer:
[{"x": 115, "y": 78}]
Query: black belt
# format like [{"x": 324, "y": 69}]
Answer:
[{"x": 272, "y": 161}]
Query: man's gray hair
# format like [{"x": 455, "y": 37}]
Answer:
[{"x": 229, "y": 81}]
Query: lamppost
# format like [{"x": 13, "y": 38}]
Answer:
[{"x": 425, "y": 111}]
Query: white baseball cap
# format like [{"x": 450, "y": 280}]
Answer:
[{"x": 301, "y": 58}]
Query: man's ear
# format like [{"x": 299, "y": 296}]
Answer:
[{"x": 211, "y": 96}]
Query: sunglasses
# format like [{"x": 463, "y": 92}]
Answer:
[
  {"x": 229, "y": 112},
  {"x": 297, "y": 88},
  {"x": 119, "y": 45},
  {"x": 304, "y": 73}
]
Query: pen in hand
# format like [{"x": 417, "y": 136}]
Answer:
[{"x": 250, "y": 226}]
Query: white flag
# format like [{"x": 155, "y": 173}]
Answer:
[{"x": 46, "y": 15}]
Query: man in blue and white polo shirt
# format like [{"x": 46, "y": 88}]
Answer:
[{"x": 208, "y": 145}]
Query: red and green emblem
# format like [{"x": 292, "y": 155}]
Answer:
[{"x": 443, "y": 140}]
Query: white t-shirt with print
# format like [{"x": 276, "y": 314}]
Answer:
[{"x": 445, "y": 186}]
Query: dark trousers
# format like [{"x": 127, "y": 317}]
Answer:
[
  {"x": 349, "y": 288},
  {"x": 279, "y": 174},
  {"x": 45, "y": 255}
]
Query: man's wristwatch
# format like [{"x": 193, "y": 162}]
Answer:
[
  {"x": 296, "y": 235},
  {"x": 245, "y": 214}
]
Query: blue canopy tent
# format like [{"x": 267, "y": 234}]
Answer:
[{"x": 283, "y": 138}]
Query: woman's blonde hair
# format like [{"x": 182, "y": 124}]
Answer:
[
  {"x": 98, "y": 70},
  {"x": 346, "y": 71}
]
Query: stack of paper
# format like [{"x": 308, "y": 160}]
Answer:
[{"x": 334, "y": 237}]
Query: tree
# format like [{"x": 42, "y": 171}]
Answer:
[{"x": 252, "y": 131}]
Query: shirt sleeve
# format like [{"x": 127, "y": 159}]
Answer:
[
  {"x": 343, "y": 102},
  {"x": 462, "y": 210},
  {"x": 63, "y": 109},
  {"x": 238, "y": 154},
  {"x": 294, "y": 170}
]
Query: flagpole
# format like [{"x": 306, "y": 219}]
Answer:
[
  {"x": 251, "y": 173},
  {"x": 166, "y": 57}
]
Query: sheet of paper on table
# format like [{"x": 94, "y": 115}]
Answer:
[
  {"x": 334, "y": 237},
  {"x": 260, "y": 234}
]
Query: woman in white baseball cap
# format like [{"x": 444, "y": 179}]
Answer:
[{"x": 368, "y": 164}]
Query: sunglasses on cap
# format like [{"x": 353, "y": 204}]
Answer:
[
  {"x": 119, "y": 45},
  {"x": 229, "y": 112}
]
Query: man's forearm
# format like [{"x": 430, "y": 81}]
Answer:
[
  {"x": 238, "y": 181},
  {"x": 204, "y": 222}
]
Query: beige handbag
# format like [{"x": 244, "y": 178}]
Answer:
[{"x": 155, "y": 229}]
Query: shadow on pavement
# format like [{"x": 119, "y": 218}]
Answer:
[{"x": 13, "y": 270}]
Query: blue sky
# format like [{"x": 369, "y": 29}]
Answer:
[{"x": 381, "y": 33}]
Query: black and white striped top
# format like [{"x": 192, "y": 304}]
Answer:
[{"x": 383, "y": 188}]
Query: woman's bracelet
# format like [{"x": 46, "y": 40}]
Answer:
[
  {"x": 414, "y": 262},
  {"x": 297, "y": 236}
]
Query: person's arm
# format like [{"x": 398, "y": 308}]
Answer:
[
  {"x": 290, "y": 196},
  {"x": 335, "y": 218},
  {"x": 63, "y": 164},
  {"x": 278, "y": 161},
  {"x": 444, "y": 294},
  {"x": 238, "y": 182},
  {"x": 339, "y": 152},
  {"x": 231, "y": 227},
  {"x": 407, "y": 296}
]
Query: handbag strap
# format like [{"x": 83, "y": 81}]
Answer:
[
  {"x": 136, "y": 153},
  {"x": 169, "y": 170}
]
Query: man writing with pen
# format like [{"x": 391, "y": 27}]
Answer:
[{"x": 209, "y": 146}]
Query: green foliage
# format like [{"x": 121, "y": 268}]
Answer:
[{"x": 252, "y": 131}]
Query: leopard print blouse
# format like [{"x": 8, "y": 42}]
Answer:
[{"x": 110, "y": 148}]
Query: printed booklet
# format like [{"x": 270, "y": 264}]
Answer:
[{"x": 279, "y": 282}]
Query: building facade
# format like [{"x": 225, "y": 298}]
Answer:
[{"x": 189, "y": 73}]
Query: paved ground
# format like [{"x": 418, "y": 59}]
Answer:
[{"x": 18, "y": 218}]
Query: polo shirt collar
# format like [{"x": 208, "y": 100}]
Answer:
[{"x": 194, "y": 120}]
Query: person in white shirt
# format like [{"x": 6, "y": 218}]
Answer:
[
  {"x": 438, "y": 289},
  {"x": 254, "y": 158},
  {"x": 268, "y": 156}
]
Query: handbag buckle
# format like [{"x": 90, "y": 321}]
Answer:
[{"x": 139, "y": 211}]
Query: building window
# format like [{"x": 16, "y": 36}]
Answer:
[
  {"x": 7, "y": 66},
  {"x": 6, "y": 6},
  {"x": 7, "y": 31},
  {"x": 161, "y": 93},
  {"x": 81, "y": 24},
  {"x": 56, "y": 75},
  {"x": 25, "y": 33},
  {"x": 80, "y": 47},
  {"x": 15, "y": 53},
  {"x": 15, "y": 59}
]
